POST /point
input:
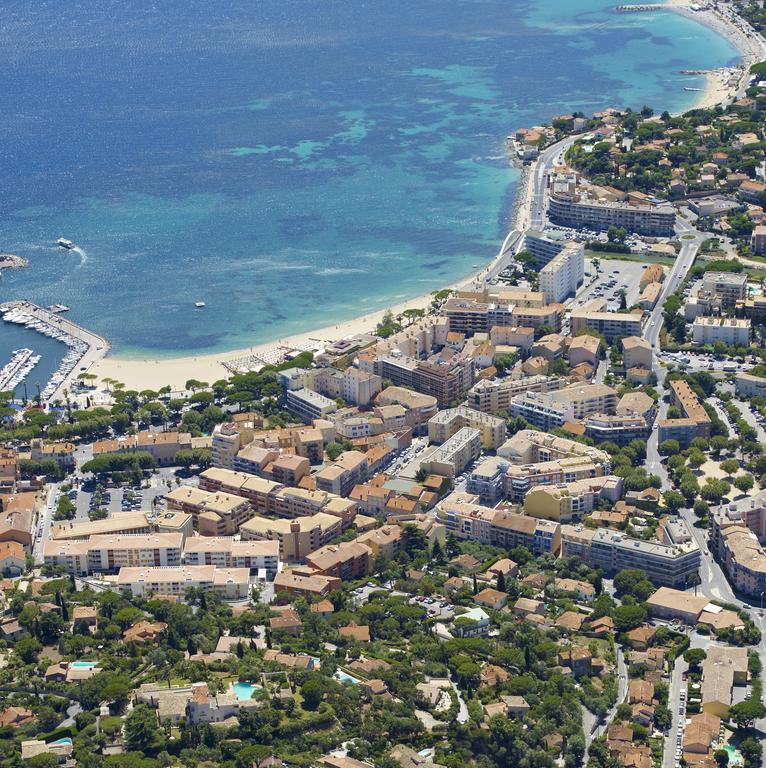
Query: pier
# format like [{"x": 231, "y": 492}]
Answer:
[
  {"x": 640, "y": 7},
  {"x": 85, "y": 347}
]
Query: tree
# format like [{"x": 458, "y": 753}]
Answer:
[
  {"x": 694, "y": 657},
  {"x": 721, "y": 756},
  {"x": 334, "y": 450},
  {"x": 746, "y": 712},
  {"x": 313, "y": 691},
  {"x": 730, "y": 466},
  {"x": 751, "y": 750},
  {"x": 670, "y": 447},
  {"x": 142, "y": 734},
  {"x": 744, "y": 482},
  {"x": 674, "y": 501},
  {"x": 627, "y": 617},
  {"x": 501, "y": 582}
]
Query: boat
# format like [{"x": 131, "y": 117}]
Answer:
[
  {"x": 199, "y": 304},
  {"x": 64, "y": 243}
]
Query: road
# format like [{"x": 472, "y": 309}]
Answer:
[
  {"x": 591, "y": 728},
  {"x": 678, "y": 272},
  {"x": 549, "y": 157}
]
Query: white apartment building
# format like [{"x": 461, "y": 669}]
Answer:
[
  {"x": 453, "y": 456},
  {"x": 563, "y": 274},
  {"x": 732, "y": 331},
  {"x": 447, "y": 423},
  {"x": 228, "y": 552},
  {"x": 229, "y": 583},
  {"x": 100, "y": 554}
]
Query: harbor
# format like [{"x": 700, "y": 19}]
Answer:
[
  {"x": 20, "y": 366},
  {"x": 84, "y": 347}
]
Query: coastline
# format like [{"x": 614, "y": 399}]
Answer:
[{"x": 146, "y": 373}]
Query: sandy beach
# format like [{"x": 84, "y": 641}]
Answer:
[{"x": 722, "y": 86}]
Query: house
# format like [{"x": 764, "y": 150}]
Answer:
[
  {"x": 62, "y": 749},
  {"x": 369, "y": 666},
  {"x": 515, "y": 706},
  {"x": 466, "y": 563},
  {"x": 578, "y": 659},
  {"x": 601, "y": 627},
  {"x": 471, "y": 623},
  {"x": 492, "y": 675},
  {"x": 288, "y": 621},
  {"x": 324, "y": 608},
  {"x": 643, "y": 714},
  {"x": 524, "y": 606},
  {"x": 640, "y": 691},
  {"x": 491, "y": 598},
  {"x": 56, "y": 673},
  {"x": 641, "y": 637},
  {"x": 293, "y": 660},
  {"x": 16, "y": 717},
  {"x": 144, "y": 632},
  {"x": 87, "y": 615},
  {"x": 356, "y": 633},
  {"x": 12, "y": 558},
  {"x": 505, "y": 566},
  {"x": 584, "y": 590},
  {"x": 570, "y": 620},
  {"x": 11, "y": 629}
]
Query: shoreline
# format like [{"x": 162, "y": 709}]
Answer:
[{"x": 146, "y": 373}]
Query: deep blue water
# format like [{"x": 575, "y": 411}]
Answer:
[{"x": 289, "y": 162}]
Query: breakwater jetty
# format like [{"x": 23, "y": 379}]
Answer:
[{"x": 85, "y": 347}]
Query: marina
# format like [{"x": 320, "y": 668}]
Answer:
[
  {"x": 84, "y": 347},
  {"x": 16, "y": 371}
]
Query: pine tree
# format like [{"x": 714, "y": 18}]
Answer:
[{"x": 501, "y": 582}]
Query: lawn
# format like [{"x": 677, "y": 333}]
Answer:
[{"x": 641, "y": 258}]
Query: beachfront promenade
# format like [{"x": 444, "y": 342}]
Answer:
[{"x": 96, "y": 346}]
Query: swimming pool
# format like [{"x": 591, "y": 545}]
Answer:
[
  {"x": 84, "y": 664},
  {"x": 244, "y": 691},
  {"x": 735, "y": 756},
  {"x": 61, "y": 742},
  {"x": 344, "y": 677}
]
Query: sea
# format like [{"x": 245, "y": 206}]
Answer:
[{"x": 290, "y": 163}]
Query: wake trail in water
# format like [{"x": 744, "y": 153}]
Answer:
[{"x": 82, "y": 254}]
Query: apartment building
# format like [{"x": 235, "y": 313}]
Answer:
[
  {"x": 636, "y": 353},
  {"x": 346, "y": 560},
  {"x": 586, "y": 399},
  {"x": 736, "y": 531},
  {"x": 684, "y": 397},
  {"x": 487, "y": 480},
  {"x": 732, "y": 331},
  {"x": 543, "y": 410},
  {"x": 667, "y": 565},
  {"x": 453, "y": 456},
  {"x": 227, "y": 552},
  {"x": 258, "y": 491},
  {"x": 529, "y": 446},
  {"x": 384, "y": 542},
  {"x": 228, "y": 583},
  {"x": 354, "y": 386},
  {"x": 729, "y": 286},
  {"x": 161, "y": 446},
  {"x": 61, "y": 452},
  {"x": 118, "y": 523},
  {"x": 578, "y": 211},
  {"x": 215, "y": 513},
  {"x": 563, "y": 274},
  {"x": 544, "y": 246},
  {"x": 519, "y": 479},
  {"x": 619, "y": 429},
  {"x": 584, "y": 349},
  {"x": 537, "y": 318},
  {"x": 298, "y": 583},
  {"x": 297, "y": 538},
  {"x": 653, "y": 273},
  {"x": 419, "y": 408},
  {"x": 566, "y": 502},
  {"x": 106, "y": 554},
  {"x": 512, "y": 336},
  {"x": 747, "y": 385},
  {"x": 308, "y": 405},
  {"x": 446, "y": 423},
  {"x": 495, "y": 395},
  {"x": 463, "y": 517},
  {"x": 612, "y": 325},
  {"x": 349, "y": 469},
  {"x": 758, "y": 240}
]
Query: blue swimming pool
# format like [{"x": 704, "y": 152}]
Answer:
[
  {"x": 735, "y": 756},
  {"x": 84, "y": 664},
  {"x": 344, "y": 677},
  {"x": 59, "y": 742},
  {"x": 244, "y": 691}
]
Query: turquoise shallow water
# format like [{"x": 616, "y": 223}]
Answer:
[{"x": 289, "y": 163}]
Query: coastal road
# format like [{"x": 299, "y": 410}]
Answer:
[{"x": 536, "y": 193}]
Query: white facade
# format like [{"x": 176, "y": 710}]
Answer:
[
  {"x": 730, "y": 330},
  {"x": 561, "y": 276}
]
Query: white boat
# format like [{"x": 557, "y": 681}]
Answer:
[
  {"x": 199, "y": 304},
  {"x": 64, "y": 243}
]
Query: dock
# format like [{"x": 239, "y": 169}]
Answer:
[{"x": 85, "y": 347}]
